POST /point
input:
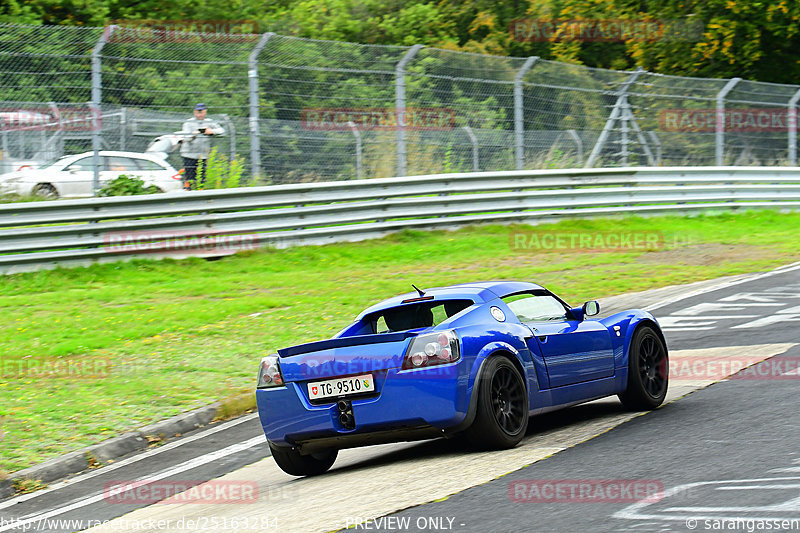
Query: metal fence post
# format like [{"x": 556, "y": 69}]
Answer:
[
  {"x": 57, "y": 113},
  {"x": 357, "y": 135},
  {"x": 400, "y": 105},
  {"x": 255, "y": 130},
  {"x": 231, "y": 130},
  {"x": 578, "y": 144},
  {"x": 97, "y": 99},
  {"x": 4, "y": 146},
  {"x": 474, "y": 140},
  {"x": 519, "y": 115},
  {"x": 619, "y": 107},
  {"x": 720, "y": 136},
  {"x": 657, "y": 142},
  {"x": 791, "y": 120},
  {"x": 123, "y": 126},
  {"x": 629, "y": 117},
  {"x": 623, "y": 135}
]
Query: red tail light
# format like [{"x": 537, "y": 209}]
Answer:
[
  {"x": 269, "y": 373},
  {"x": 432, "y": 349}
]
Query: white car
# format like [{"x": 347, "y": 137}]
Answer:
[{"x": 73, "y": 175}]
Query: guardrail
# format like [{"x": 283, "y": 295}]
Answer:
[{"x": 78, "y": 232}]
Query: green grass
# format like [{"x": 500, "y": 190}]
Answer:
[
  {"x": 160, "y": 337},
  {"x": 14, "y": 198}
]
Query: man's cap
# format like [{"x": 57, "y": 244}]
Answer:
[{"x": 199, "y": 107}]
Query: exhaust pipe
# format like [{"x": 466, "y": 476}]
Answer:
[{"x": 346, "y": 417}]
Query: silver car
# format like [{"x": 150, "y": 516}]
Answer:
[{"x": 73, "y": 175}]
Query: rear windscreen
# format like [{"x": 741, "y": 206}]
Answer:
[{"x": 416, "y": 315}]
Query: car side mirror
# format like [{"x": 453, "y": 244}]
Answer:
[
  {"x": 591, "y": 308},
  {"x": 72, "y": 169}
]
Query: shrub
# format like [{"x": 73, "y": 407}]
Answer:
[
  {"x": 127, "y": 186},
  {"x": 223, "y": 173}
]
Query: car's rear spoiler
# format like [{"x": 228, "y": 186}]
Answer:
[{"x": 356, "y": 340}]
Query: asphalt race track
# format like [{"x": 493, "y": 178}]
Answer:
[{"x": 722, "y": 455}]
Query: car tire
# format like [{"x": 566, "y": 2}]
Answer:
[
  {"x": 45, "y": 190},
  {"x": 501, "y": 418},
  {"x": 293, "y": 463},
  {"x": 648, "y": 371}
]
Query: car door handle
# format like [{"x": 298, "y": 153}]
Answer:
[{"x": 542, "y": 338}]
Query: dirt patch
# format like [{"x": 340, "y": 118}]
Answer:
[{"x": 709, "y": 254}]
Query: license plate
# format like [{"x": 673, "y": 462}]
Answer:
[{"x": 341, "y": 387}]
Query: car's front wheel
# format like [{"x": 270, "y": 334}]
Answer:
[
  {"x": 45, "y": 190},
  {"x": 648, "y": 371},
  {"x": 502, "y": 412},
  {"x": 292, "y": 462}
]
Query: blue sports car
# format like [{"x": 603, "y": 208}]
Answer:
[{"x": 470, "y": 361}]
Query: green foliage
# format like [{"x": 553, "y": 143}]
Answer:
[
  {"x": 223, "y": 173},
  {"x": 756, "y": 40},
  {"x": 127, "y": 186},
  {"x": 558, "y": 159},
  {"x": 448, "y": 159},
  {"x": 235, "y": 170},
  {"x": 15, "y": 198}
]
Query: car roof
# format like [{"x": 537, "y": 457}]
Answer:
[
  {"x": 480, "y": 292},
  {"x": 140, "y": 155},
  {"x": 155, "y": 157}
]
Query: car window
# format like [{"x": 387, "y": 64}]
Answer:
[
  {"x": 146, "y": 164},
  {"x": 83, "y": 164},
  {"x": 418, "y": 315},
  {"x": 120, "y": 164},
  {"x": 53, "y": 163},
  {"x": 531, "y": 307}
]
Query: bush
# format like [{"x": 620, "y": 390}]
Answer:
[
  {"x": 222, "y": 173},
  {"x": 127, "y": 186}
]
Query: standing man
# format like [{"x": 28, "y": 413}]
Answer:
[{"x": 196, "y": 146}]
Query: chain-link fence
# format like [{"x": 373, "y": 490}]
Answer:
[{"x": 300, "y": 110}]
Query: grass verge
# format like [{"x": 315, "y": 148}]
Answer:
[{"x": 89, "y": 353}]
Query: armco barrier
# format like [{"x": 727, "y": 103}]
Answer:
[{"x": 40, "y": 235}]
